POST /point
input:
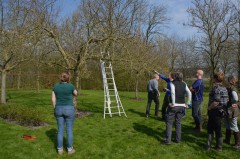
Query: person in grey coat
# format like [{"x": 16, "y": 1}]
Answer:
[{"x": 153, "y": 94}]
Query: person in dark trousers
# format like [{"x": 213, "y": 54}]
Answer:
[
  {"x": 176, "y": 109},
  {"x": 231, "y": 123},
  {"x": 153, "y": 94},
  {"x": 218, "y": 99},
  {"x": 167, "y": 94},
  {"x": 197, "y": 99}
]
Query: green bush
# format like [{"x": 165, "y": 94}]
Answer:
[{"x": 21, "y": 115}]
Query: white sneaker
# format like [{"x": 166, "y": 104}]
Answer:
[
  {"x": 60, "y": 151},
  {"x": 71, "y": 151}
]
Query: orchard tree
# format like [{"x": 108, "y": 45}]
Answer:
[{"x": 215, "y": 21}]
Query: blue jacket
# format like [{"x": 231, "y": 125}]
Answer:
[
  {"x": 198, "y": 87},
  {"x": 168, "y": 83}
]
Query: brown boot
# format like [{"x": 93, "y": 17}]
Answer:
[{"x": 237, "y": 140}]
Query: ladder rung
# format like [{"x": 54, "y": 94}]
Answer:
[
  {"x": 111, "y": 101},
  {"x": 115, "y": 113},
  {"x": 114, "y": 107},
  {"x": 110, "y": 95},
  {"x": 111, "y": 89},
  {"x": 108, "y": 78}
]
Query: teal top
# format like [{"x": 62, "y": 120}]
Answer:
[{"x": 64, "y": 94}]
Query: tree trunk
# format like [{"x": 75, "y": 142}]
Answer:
[
  {"x": 80, "y": 84},
  {"x": 19, "y": 78},
  {"x": 76, "y": 78},
  {"x": 3, "y": 88},
  {"x": 37, "y": 82},
  {"x": 136, "y": 88},
  {"x": 211, "y": 74}
]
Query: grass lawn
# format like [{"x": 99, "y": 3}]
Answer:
[{"x": 133, "y": 137}]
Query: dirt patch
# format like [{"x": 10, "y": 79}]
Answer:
[
  {"x": 82, "y": 113},
  {"x": 137, "y": 99},
  {"x": 17, "y": 123}
]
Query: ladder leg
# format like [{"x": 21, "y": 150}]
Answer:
[
  {"x": 121, "y": 106},
  {"x": 109, "y": 109},
  {"x": 118, "y": 107},
  {"x": 104, "y": 111}
]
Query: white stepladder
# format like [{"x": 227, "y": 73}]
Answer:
[{"x": 112, "y": 102}]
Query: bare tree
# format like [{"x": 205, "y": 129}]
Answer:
[
  {"x": 237, "y": 36},
  {"x": 155, "y": 19},
  {"x": 170, "y": 47},
  {"x": 16, "y": 37},
  {"x": 214, "y": 20},
  {"x": 189, "y": 59}
]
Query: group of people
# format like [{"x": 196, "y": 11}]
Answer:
[{"x": 223, "y": 104}]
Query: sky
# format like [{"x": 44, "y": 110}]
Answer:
[{"x": 176, "y": 11}]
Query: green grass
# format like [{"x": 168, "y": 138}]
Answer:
[{"x": 133, "y": 137}]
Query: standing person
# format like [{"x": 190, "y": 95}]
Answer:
[
  {"x": 218, "y": 99},
  {"x": 176, "y": 109},
  {"x": 233, "y": 112},
  {"x": 62, "y": 100},
  {"x": 167, "y": 94},
  {"x": 153, "y": 94},
  {"x": 197, "y": 99}
]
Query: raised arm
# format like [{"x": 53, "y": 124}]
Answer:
[{"x": 164, "y": 77}]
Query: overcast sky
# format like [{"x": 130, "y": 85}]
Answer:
[{"x": 176, "y": 11}]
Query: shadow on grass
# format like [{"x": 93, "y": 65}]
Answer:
[
  {"x": 52, "y": 135},
  {"x": 147, "y": 130},
  {"x": 141, "y": 114},
  {"x": 90, "y": 107},
  {"x": 198, "y": 142},
  {"x": 189, "y": 135}
]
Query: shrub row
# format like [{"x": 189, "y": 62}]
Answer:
[{"x": 21, "y": 115}]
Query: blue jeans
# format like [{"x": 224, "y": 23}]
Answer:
[
  {"x": 196, "y": 112},
  {"x": 64, "y": 114}
]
